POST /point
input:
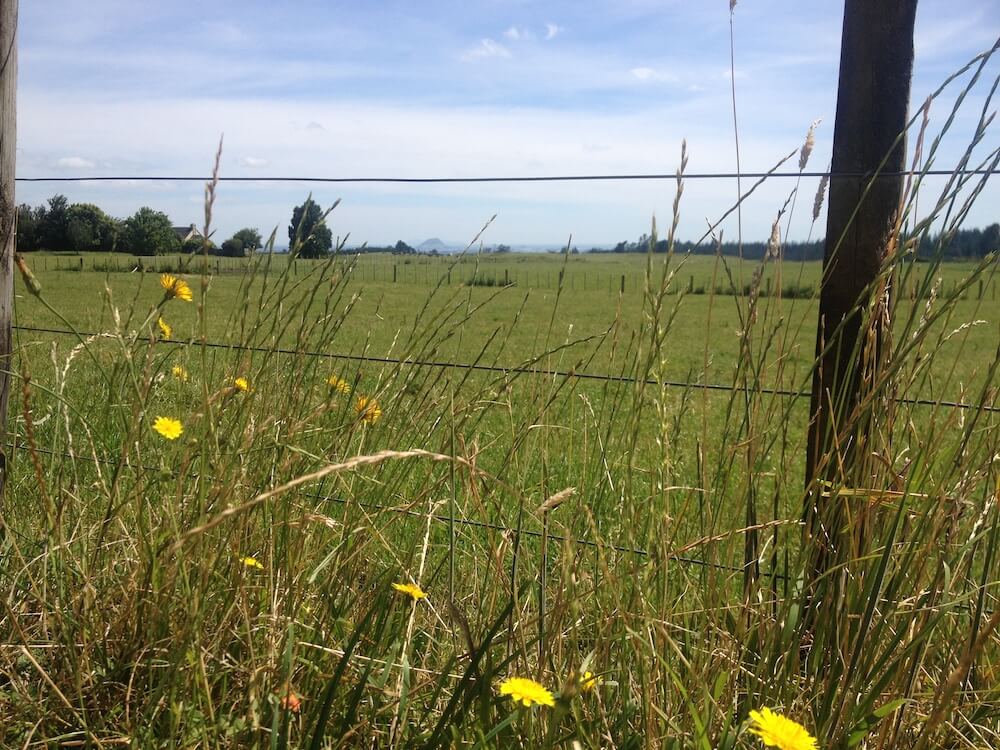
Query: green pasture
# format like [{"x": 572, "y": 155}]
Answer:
[
  {"x": 535, "y": 302},
  {"x": 636, "y": 526}
]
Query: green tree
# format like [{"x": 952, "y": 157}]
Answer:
[
  {"x": 29, "y": 226},
  {"x": 242, "y": 243},
  {"x": 308, "y": 236},
  {"x": 89, "y": 228},
  {"x": 53, "y": 230},
  {"x": 149, "y": 232}
]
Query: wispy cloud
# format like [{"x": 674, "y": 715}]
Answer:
[
  {"x": 515, "y": 34},
  {"x": 74, "y": 162},
  {"x": 652, "y": 75},
  {"x": 552, "y": 30},
  {"x": 487, "y": 48},
  {"x": 254, "y": 162}
]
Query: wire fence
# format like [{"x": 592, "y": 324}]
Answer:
[
  {"x": 771, "y": 575},
  {"x": 520, "y": 178},
  {"x": 430, "y": 270},
  {"x": 511, "y": 370}
]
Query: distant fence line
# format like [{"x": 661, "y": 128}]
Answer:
[
  {"x": 515, "y": 370},
  {"x": 424, "y": 273}
]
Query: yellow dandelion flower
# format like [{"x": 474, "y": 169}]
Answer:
[
  {"x": 588, "y": 681},
  {"x": 252, "y": 562},
  {"x": 777, "y": 731},
  {"x": 339, "y": 384},
  {"x": 526, "y": 692},
  {"x": 168, "y": 427},
  {"x": 242, "y": 385},
  {"x": 165, "y": 330},
  {"x": 368, "y": 410},
  {"x": 179, "y": 373},
  {"x": 175, "y": 287},
  {"x": 411, "y": 590}
]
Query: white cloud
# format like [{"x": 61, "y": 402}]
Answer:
[
  {"x": 551, "y": 30},
  {"x": 487, "y": 48},
  {"x": 653, "y": 75},
  {"x": 515, "y": 34},
  {"x": 253, "y": 161},
  {"x": 74, "y": 162}
]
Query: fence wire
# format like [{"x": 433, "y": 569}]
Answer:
[
  {"x": 518, "y": 178},
  {"x": 515, "y": 370}
]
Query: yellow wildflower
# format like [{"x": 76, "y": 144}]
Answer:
[
  {"x": 410, "y": 589},
  {"x": 165, "y": 328},
  {"x": 368, "y": 410},
  {"x": 588, "y": 681},
  {"x": 252, "y": 562},
  {"x": 180, "y": 373},
  {"x": 777, "y": 731},
  {"x": 339, "y": 384},
  {"x": 526, "y": 692},
  {"x": 175, "y": 287},
  {"x": 168, "y": 427},
  {"x": 242, "y": 385}
]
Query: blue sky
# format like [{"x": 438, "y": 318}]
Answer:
[{"x": 127, "y": 87}]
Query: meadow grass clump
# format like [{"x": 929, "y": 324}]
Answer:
[{"x": 291, "y": 508}]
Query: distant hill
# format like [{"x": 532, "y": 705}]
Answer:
[{"x": 435, "y": 243}]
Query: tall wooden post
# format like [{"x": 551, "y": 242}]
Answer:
[
  {"x": 876, "y": 62},
  {"x": 8, "y": 209}
]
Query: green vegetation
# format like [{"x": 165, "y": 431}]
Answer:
[
  {"x": 195, "y": 590},
  {"x": 308, "y": 233}
]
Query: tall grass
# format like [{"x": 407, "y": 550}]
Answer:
[{"x": 232, "y": 588}]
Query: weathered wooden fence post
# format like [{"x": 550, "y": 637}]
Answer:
[
  {"x": 876, "y": 62},
  {"x": 8, "y": 211}
]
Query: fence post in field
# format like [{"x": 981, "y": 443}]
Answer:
[
  {"x": 8, "y": 212},
  {"x": 876, "y": 63}
]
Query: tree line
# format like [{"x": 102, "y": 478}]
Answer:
[
  {"x": 61, "y": 226},
  {"x": 963, "y": 243}
]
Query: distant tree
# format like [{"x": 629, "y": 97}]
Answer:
[
  {"x": 89, "y": 228},
  {"x": 149, "y": 232},
  {"x": 401, "y": 248},
  {"x": 307, "y": 236},
  {"x": 242, "y": 243},
  {"x": 990, "y": 240},
  {"x": 29, "y": 225},
  {"x": 53, "y": 229},
  {"x": 502, "y": 249}
]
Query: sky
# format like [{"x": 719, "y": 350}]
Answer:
[{"x": 135, "y": 88}]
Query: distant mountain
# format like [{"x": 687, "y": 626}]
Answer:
[{"x": 435, "y": 243}]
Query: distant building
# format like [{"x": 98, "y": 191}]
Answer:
[{"x": 187, "y": 233}]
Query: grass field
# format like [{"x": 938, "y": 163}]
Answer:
[{"x": 233, "y": 586}]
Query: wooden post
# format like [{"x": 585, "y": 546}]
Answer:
[
  {"x": 8, "y": 212},
  {"x": 876, "y": 63}
]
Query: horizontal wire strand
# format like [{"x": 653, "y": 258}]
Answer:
[
  {"x": 516, "y": 178},
  {"x": 543, "y": 372}
]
